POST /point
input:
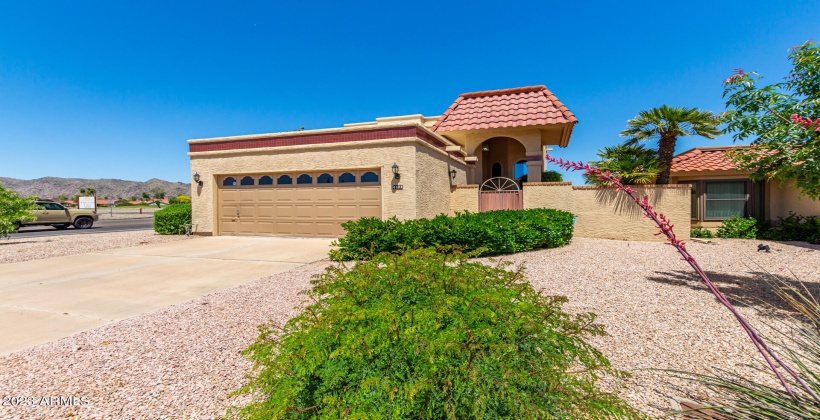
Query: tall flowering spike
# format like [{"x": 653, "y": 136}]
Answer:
[
  {"x": 665, "y": 226},
  {"x": 807, "y": 122}
]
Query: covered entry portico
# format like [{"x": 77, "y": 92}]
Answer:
[{"x": 500, "y": 129}]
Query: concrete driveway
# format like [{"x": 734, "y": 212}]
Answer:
[{"x": 44, "y": 300}]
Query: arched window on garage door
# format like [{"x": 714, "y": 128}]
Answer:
[
  {"x": 304, "y": 179},
  {"x": 284, "y": 180},
  {"x": 229, "y": 182},
  {"x": 266, "y": 180},
  {"x": 246, "y": 181},
  {"x": 370, "y": 177},
  {"x": 346, "y": 177},
  {"x": 324, "y": 179}
]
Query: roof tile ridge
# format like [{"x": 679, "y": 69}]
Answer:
[
  {"x": 510, "y": 91},
  {"x": 447, "y": 113},
  {"x": 560, "y": 105}
]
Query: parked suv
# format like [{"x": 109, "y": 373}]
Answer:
[{"x": 54, "y": 214}]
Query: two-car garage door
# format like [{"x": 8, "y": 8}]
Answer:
[{"x": 296, "y": 203}]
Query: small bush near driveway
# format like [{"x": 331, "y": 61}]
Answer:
[
  {"x": 490, "y": 233},
  {"x": 429, "y": 335},
  {"x": 171, "y": 219}
]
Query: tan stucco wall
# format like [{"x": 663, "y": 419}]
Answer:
[
  {"x": 785, "y": 198},
  {"x": 609, "y": 214},
  {"x": 424, "y": 173},
  {"x": 434, "y": 182},
  {"x": 600, "y": 212},
  {"x": 464, "y": 198},
  {"x": 552, "y": 195}
]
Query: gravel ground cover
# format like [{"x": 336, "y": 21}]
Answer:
[
  {"x": 181, "y": 362},
  {"x": 24, "y": 249}
]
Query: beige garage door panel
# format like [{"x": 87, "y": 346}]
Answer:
[{"x": 295, "y": 210}]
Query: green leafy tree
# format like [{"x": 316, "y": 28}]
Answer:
[
  {"x": 134, "y": 198},
  {"x": 772, "y": 116},
  {"x": 145, "y": 196},
  {"x": 184, "y": 199},
  {"x": 62, "y": 197},
  {"x": 173, "y": 200},
  {"x": 158, "y": 195},
  {"x": 632, "y": 163},
  {"x": 13, "y": 209},
  {"x": 666, "y": 124}
]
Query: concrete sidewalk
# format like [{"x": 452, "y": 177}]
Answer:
[{"x": 44, "y": 300}]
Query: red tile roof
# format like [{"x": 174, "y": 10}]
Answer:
[
  {"x": 519, "y": 107},
  {"x": 704, "y": 159}
]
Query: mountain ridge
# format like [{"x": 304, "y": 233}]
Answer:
[{"x": 51, "y": 186}]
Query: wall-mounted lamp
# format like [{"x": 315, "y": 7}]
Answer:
[
  {"x": 196, "y": 179},
  {"x": 396, "y": 171},
  {"x": 452, "y": 173},
  {"x": 485, "y": 149}
]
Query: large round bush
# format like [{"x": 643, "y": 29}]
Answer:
[
  {"x": 429, "y": 335},
  {"x": 172, "y": 219}
]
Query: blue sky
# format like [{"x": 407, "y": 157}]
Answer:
[{"x": 114, "y": 89}]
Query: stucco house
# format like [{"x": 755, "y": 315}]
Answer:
[
  {"x": 307, "y": 183},
  {"x": 720, "y": 190}
]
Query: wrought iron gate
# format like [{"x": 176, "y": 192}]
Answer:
[{"x": 500, "y": 194}]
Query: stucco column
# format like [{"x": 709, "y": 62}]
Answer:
[
  {"x": 535, "y": 165},
  {"x": 534, "y": 169}
]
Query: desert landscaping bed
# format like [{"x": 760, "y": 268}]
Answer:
[
  {"x": 181, "y": 362},
  {"x": 24, "y": 249}
]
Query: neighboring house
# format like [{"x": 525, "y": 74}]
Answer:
[
  {"x": 720, "y": 191},
  {"x": 307, "y": 183}
]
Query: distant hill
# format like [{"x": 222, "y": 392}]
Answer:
[{"x": 51, "y": 187}]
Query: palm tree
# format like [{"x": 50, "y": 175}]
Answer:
[
  {"x": 666, "y": 124},
  {"x": 632, "y": 163}
]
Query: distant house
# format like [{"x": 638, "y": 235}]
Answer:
[
  {"x": 103, "y": 202},
  {"x": 720, "y": 190}
]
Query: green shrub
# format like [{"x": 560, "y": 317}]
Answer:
[
  {"x": 170, "y": 220},
  {"x": 551, "y": 176},
  {"x": 738, "y": 227},
  {"x": 493, "y": 233},
  {"x": 701, "y": 232},
  {"x": 429, "y": 335},
  {"x": 794, "y": 227}
]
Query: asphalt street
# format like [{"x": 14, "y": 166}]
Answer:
[{"x": 101, "y": 226}]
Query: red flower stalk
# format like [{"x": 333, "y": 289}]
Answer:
[
  {"x": 806, "y": 122},
  {"x": 738, "y": 73},
  {"x": 665, "y": 228}
]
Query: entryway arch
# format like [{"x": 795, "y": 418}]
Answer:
[{"x": 497, "y": 157}]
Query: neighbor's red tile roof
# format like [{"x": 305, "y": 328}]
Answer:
[
  {"x": 703, "y": 159},
  {"x": 519, "y": 107}
]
